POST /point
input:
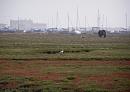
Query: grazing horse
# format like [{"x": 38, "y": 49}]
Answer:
[{"x": 102, "y": 33}]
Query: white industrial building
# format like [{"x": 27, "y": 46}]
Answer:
[{"x": 26, "y": 25}]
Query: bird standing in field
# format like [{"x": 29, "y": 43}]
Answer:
[{"x": 61, "y": 52}]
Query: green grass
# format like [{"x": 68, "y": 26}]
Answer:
[
  {"x": 25, "y": 85},
  {"x": 47, "y": 46},
  {"x": 18, "y": 48}
]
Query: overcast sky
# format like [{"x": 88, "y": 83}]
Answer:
[{"x": 44, "y": 11}]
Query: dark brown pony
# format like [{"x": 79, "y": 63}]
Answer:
[{"x": 102, "y": 33}]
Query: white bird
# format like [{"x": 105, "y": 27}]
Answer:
[{"x": 61, "y": 52}]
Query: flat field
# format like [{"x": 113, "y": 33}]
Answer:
[
  {"x": 31, "y": 62},
  {"x": 21, "y": 46}
]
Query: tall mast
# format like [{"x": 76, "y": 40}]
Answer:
[
  {"x": 85, "y": 23},
  {"x": 102, "y": 21},
  {"x": 52, "y": 22},
  {"x": 126, "y": 21},
  {"x": 77, "y": 20},
  {"x": 68, "y": 21},
  {"x": 57, "y": 19},
  {"x": 18, "y": 23},
  {"x": 106, "y": 22},
  {"x": 98, "y": 19}
]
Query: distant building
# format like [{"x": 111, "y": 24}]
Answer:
[
  {"x": 21, "y": 24},
  {"x": 2, "y": 26},
  {"x": 26, "y": 25},
  {"x": 39, "y": 26}
]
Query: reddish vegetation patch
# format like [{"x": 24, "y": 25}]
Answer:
[
  {"x": 20, "y": 72},
  {"x": 8, "y": 85},
  {"x": 105, "y": 81},
  {"x": 35, "y": 74},
  {"x": 61, "y": 63},
  {"x": 122, "y": 75},
  {"x": 77, "y": 80},
  {"x": 86, "y": 63},
  {"x": 23, "y": 69},
  {"x": 52, "y": 76},
  {"x": 108, "y": 80}
]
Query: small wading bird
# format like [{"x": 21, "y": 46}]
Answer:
[{"x": 61, "y": 52}]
